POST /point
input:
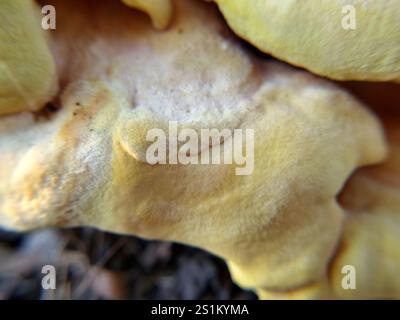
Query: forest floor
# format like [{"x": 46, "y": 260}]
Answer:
[{"x": 91, "y": 264}]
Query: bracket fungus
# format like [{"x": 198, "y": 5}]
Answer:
[
  {"x": 278, "y": 228},
  {"x": 370, "y": 236},
  {"x": 312, "y": 34},
  {"x": 22, "y": 44},
  {"x": 160, "y": 11}
]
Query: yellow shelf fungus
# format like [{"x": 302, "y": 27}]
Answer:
[
  {"x": 281, "y": 229},
  {"x": 343, "y": 40}
]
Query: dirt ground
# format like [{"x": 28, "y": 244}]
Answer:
[{"x": 91, "y": 265}]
